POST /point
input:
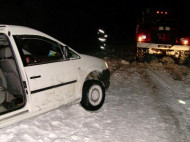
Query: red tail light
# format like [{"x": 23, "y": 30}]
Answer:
[
  {"x": 143, "y": 37},
  {"x": 184, "y": 41}
]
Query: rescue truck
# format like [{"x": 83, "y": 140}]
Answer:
[{"x": 157, "y": 32}]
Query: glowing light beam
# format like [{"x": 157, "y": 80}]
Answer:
[{"x": 182, "y": 102}]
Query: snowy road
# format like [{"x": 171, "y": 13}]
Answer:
[{"x": 142, "y": 105}]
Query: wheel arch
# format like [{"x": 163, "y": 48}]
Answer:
[{"x": 91, "y": 74}]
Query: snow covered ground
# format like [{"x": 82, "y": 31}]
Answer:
[{"x": 145, "y": 103}]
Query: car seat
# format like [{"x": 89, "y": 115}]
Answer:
[{"x": 9, "y": 68}]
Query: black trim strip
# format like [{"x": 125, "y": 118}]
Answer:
[
  {"x": 33, "y": 77},
  {"x": 51, "y": 87}
]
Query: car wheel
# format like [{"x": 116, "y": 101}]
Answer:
[{"x": 93, "y": 95}]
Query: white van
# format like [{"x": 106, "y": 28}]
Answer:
[{"x": 39, "y": 73}]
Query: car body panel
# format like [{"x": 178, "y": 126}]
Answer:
[{"x": 51, "y": 83}]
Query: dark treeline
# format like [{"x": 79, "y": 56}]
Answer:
[{"x": 75, "y": 22}]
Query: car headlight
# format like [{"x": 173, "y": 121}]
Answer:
[{"x": 106, "y": 64}]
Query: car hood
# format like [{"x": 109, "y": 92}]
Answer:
[{"x": 87, "y": 60}]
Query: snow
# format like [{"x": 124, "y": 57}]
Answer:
[{"x": 141, "y": 105}]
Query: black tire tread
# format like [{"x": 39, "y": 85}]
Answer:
[
  {"x": 140, "y": 54},
  {"x": 85, "y": 102}
]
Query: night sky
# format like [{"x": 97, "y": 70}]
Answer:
[{"x": 76, "y": 22}]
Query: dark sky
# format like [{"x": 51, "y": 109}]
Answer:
[{"x": 76, "y": 22}]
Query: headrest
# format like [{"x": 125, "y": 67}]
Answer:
[{"x": 5, "y": 52}]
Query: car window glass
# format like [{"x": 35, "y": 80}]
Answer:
[
  {"x": 40, "y": 51},
  {"x": 73, "y": 54}
]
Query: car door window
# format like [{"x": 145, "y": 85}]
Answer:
[
  {"x": 73, "y": 55},
  {"x": 40, "y": 51}
]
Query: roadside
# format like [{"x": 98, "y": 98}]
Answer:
[
  {"x": 170, "y": 88},
  {"x": 146, "y": 102},
  {"x": 170, "y": 95}
]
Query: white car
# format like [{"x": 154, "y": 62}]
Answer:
[{"x": 39, "y": 73}]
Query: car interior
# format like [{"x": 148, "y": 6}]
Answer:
[{"x": 11, "y": 91}]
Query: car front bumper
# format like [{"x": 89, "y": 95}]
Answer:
[{"x": 104, "y": 77}]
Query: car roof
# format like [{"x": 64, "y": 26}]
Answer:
[{"x": 22, "y": 30}]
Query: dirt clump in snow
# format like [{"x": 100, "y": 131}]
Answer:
[
  {"x": 126, "y": 56},
  {"x": 178, "y": 72},
  {"x": 114, "y": 63},
  {"x": 167, "y": 60}
]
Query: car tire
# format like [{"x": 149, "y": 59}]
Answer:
[{"x": 93, "y": 95}]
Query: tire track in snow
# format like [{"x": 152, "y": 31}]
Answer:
[
  {"x": 165, "y": 83},
  {"x": 178, "y": 112},
  {"x": 168, "y": 120}
]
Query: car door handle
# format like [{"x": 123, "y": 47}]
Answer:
[{"x": 33, "y": 77}]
